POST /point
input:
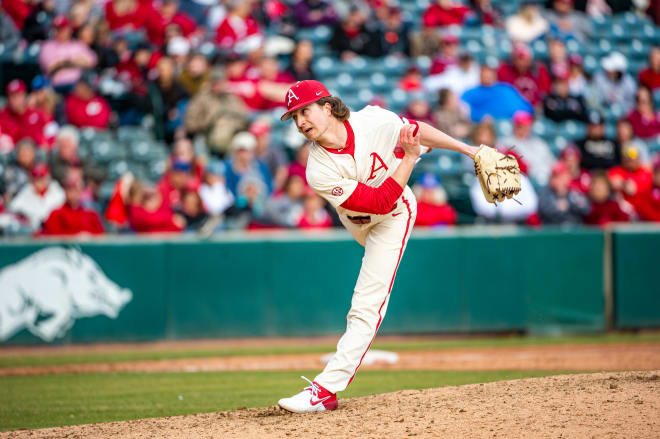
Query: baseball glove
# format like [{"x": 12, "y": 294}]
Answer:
[{"x": 498, "y": 174}]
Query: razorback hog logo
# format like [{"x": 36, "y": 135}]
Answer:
[
  {"x": 47, "y": 291},
  {"x": 337, "y": 191}
]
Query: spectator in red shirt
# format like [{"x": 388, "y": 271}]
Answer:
[
  {"x": 448, "y": 55},
  {"x": 486, "y": 13},
  {"x": 127, "y": 15},
  {"x": 432, "y": 206},
  {"x": 650, "y": 76},
  {"x": 630, "y": 178},
  {"x": 72, "y": 218},
  {"x": 445, "y": 13},
  {"x": 84, "y": 108},
  {"x": 239, "y": 31},
  {"x": 167, "y": 14},
  {"x": 604, "y": 209},
  {"x": 530, "y": 78},
  {"x": 643, "y": 118},
  {"x": 18, "y": 120},
  {"x": 147, "y": 213},
  {"x": 648, "y": 202},
  {"x": 314, "y": 215},
  {"x": 580, "y": 178},
  {"x": 174, "y": 182}
]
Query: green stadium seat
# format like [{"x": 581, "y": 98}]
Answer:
[
  {"x": 117, "y": 169},
  {"x": 326, "y": 66},
  {"x": 503, "y": 127},
  {"x": 544, "y": 128},
  {"x": 572, "y": 130}
]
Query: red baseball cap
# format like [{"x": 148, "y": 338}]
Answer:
[
  {"x": 40, "y": 170},
  {"x": 16, "y": 86},
  {"x": 61, "y": 21},
  {"x": 523, "y": 118},
  {"x": 303, "y": 93}
]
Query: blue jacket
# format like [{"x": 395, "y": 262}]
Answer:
[{"x": 499, "y": 101}]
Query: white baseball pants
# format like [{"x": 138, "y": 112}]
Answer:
[{"x": 384, "y": 240}]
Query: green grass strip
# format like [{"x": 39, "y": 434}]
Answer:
[
  {"x": 68, "y": 399},
  {"x": 55, "y": 358}
]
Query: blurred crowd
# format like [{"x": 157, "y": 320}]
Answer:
[{"x": 208, "y": 78}]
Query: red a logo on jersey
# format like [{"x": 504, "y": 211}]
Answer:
[{"x": 373, "y": 165}]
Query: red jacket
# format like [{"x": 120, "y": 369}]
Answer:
[
  {"x": 69, "y": 220},
  {"x": 234, "y": 29},
  {"x": 93, "y": 113},
  {"x": 436, "y": 15},
  {"x": 18, "y": 10},
  {"x": 532, "y": 85},
  {"x": 161, "y": 220},
  {"x": 649, "y": 78},
  {"x": 434, "y": 214},
  {"x": 32, "y": 123},
  {"x": 648, "y": 204},
  {"x": 642, "y": 178},
  {"x": 644, "y": 127},
  {"x": 130, "y": 21},
  {"x": 605, "y": 213},
  {"x": 156, "y": 25}
]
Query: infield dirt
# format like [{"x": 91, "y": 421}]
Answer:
[{"x": 601, "y": 405}]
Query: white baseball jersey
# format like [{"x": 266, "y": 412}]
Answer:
[{"x": 371, "y": 155}]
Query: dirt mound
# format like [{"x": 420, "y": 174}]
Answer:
[{"x": 610, "y": 405}]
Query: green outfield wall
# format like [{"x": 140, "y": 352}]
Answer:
[{"x": 296, "y": 284}]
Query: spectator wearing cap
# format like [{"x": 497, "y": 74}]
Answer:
[
  {"x": 84, "y": 108},
  {"x": 64, "y": 59},
  {"x": 644, "y": 119},
  {"x": 650, "y": 76},
  {"x": 531, "y": 78},
  {"x": 535, "y": 150},
  {"x": 631, "y": 177},
  {"x": 164, "y": 15},
  {"x": 65, "y": 156},
  {"x": 445, "y": 13},
  {"x": 448, "y": 54},
  {"x": 174, "y": 182},
  {"x": 527, "y": 24},
  {"x": 17, "y": 174},
  {"x": 613, "y": 85},
  {"x": 215, "y": 195},
  {"x": 269, "y": 152},
  {"x": 42, "y": 97},
  {"x": 558, "y": 203},
  {"x": 449, "y": 116},
  {"x": 72, "y": 218},
  {"x": 394, "y": 34},
  {"x": 216, "y": 113},
  {"x": 38, "y": 199},
  {"x": 239, "y": 32},
  {"x": 285, "y": 208},
  {"x": 507, "y": 211},
  {"x": 310, "y": 13},
  {"x": 432, "y": 207},
  {"x": 18, "y": 120},
  {"x": 243, "y": 163},
  {"x": 178, "y": 50},
  {"x": 36, "y": 26},
  {"x": 604, "y": 209},
  {"x": 560, "y": 105},
  {"x": 580, "y": 178},
  {"x": 458, "y": 77},
  {"x": 352, "y": 37},
  {"x": 300, "y": 66},
  {"x": 567, "y": 23},
  {"x": 647, "y": 204},
  {"x": 494, "y": 99},
  {"x": 597, "y": 151}
]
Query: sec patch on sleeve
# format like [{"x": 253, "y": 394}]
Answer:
[{"x": 337, "y": 191}]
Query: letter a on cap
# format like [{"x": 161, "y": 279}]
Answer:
[{"x": 291, "y": 96}]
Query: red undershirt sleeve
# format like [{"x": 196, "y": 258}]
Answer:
[{"x": 377, "y": 200}]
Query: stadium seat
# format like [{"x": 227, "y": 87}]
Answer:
[
  {"x": 117, "y": 169},
  {"x": 503, "y": 127},
  {"x": 544, "y": 127},
  {"x": 572, "y": 130}
]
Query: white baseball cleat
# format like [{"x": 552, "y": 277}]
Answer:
[{"x": 312, "y": 399}]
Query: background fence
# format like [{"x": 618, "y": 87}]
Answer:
[{"x": 454, "y": 281}]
